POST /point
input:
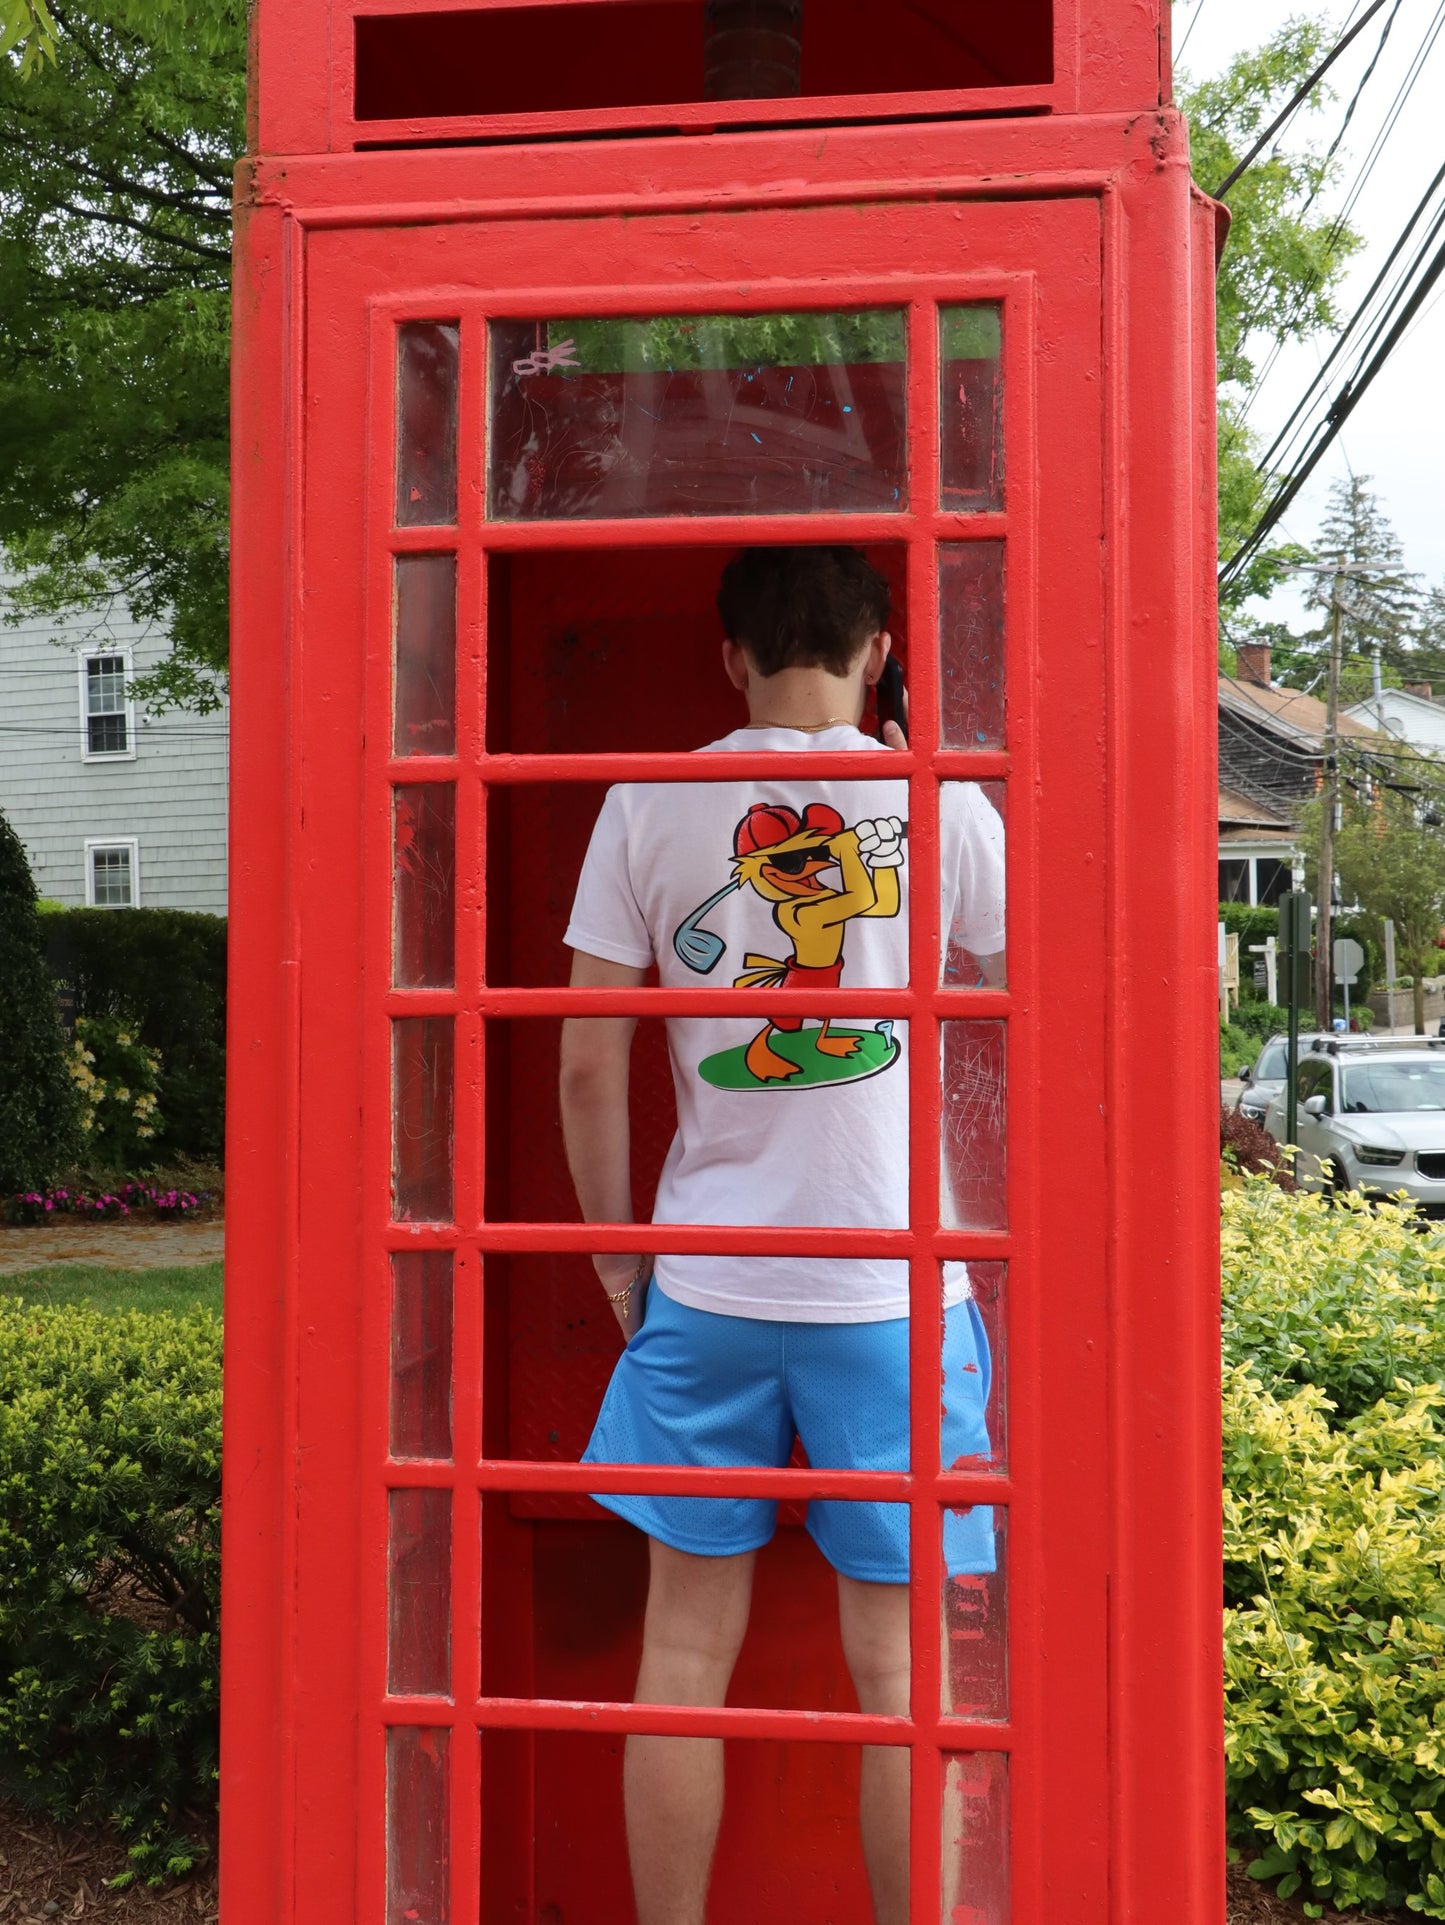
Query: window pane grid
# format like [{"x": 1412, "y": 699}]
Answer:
[{"x": 111, "y": 869}]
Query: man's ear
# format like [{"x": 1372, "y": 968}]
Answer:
[
  {"x": 736, "y": 666},
  {"x": 875, "y": 656}
]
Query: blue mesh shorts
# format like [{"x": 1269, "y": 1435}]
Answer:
[{"x": 694, "y": 1387}]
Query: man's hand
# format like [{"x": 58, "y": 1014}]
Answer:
[{"x": 880, "y": 842}]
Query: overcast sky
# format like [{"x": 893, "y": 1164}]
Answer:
[{"x": 1397, "y": 433}]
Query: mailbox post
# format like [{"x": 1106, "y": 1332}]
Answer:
[{"x": 531, "y": 336}]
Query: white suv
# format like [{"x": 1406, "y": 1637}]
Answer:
[{"x": 1371, "y": 1117}]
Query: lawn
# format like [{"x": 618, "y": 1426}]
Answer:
[{"x": 185, "y": 1287}]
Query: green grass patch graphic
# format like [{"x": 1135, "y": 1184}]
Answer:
[{"x": 877, "y": 1049}]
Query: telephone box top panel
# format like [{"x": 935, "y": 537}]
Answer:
[{"x": 349, "y": 75}]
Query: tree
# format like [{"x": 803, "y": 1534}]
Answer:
[
  {"x": 1390, "y": 857},
  {"x": 39, "y": 1103},
  {"x": 1381, "y": 613},
  {"x": 116, "y": 154}
]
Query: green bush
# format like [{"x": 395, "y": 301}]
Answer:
[
  {"x": 39, "y": 1104},
  {"x": 109, "y": 1572},
  {"x": 1335, "y": 1549},
  {"x": 166, "y": 970},
  {"x": 117, "y": 1077}
]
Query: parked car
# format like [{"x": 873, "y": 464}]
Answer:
[
  {"x": 1264, "y": 1079},
  {"x": 1370, "y": 1117}
]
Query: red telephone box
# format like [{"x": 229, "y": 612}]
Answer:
[{"x": 531, "y": 336}]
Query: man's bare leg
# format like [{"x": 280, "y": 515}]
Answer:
[
  {"x": 874, "y": 1622},
  {"x": 697, "y": 1612}
]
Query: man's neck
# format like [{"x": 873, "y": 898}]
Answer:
[{"x": 805, "y": 698}]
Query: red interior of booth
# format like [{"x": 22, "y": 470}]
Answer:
[{"x": 610, "y": 668}]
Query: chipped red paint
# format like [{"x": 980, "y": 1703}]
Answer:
[{"x": 1078, "y": 215}]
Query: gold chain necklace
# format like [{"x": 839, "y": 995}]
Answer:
[{"x": 805, "y": 728}]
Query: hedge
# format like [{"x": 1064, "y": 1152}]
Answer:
[
  {"x": 1334, "y": 1575},
  {"x": 40, "y": 1112},
  {"x": 166, "y": 970},
  {"x": 110, "y": 1445}
]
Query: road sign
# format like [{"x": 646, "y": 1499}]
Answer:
[{"x": 1348, "y": 958}]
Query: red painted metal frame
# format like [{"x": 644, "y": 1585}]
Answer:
[
  {"x": 1113, "y": 1554},
  {"x": 304, "y": 68}
]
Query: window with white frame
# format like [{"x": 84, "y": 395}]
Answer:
[
  {"x": 107, "y": 714},
  {"x": 112, "y": 873}
]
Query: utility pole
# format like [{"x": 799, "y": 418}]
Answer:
[{"x": 1329, "y": 813}]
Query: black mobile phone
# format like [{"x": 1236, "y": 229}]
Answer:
[{"x": 891, "y": 704}]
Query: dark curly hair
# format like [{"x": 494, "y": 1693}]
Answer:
[{"x": 800, "y": 607}]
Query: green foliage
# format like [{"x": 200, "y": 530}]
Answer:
[
  {"x": 109, "y": 1573},
  {"x": 680, "y": 342},
  {"x": 118, "y": 1079},
  {"x": 1280, "y": 269},
  {"x": 166, "y": 970},
  {"x": 1391, "y": 861},
  {"x": 115, "y": 180},
  {"x": 1335, "y": 1547},
  {"x": 39, "y": 1107},
  {"x": 27, "y": 31}
]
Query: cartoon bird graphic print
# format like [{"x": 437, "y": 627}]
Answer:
[{"x": 783, "y": 858}]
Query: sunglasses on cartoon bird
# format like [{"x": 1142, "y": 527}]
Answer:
[{"x": 793, "y": 862}]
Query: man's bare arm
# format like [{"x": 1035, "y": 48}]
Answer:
[{"x": 596, "y": 1052}]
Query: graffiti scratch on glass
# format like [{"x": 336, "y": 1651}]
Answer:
[{"x": 543, "y": 360}]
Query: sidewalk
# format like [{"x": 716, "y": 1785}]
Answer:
[{"x": 119, "y": 1246}]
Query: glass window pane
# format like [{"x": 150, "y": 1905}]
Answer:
[
  {"x": 426, "y": 655},
  {"x": 971, "y": 406},
  {"x": 698, "y": 414},
  {"x": 424, "y": 919},
  {"x": 417, "y": 1851},
  {"x": 975, "y": 1616},
  {"x": 421, "y": 1353},
  {"x": 426, "y": 423},
  {"x": 105, "y": 734},
  {"x": 975, "y": 1839},
  {"x": 973, "y": 1435},
  {"x": 422, "y": 1066},
  {"x": 972, "y": 1176},
  {"x": 972, "y": 883},
  {"x": 419, "y": 1569},
  {"x": 971, "y": 645},
  {"x": 112, "y": 873},
  {"x": 105, "y": 684}
]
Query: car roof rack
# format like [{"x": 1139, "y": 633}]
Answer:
[{"x": 1374, "y": 1045}]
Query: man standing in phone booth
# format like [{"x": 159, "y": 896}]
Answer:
[{"x": 786, "y": 1120}]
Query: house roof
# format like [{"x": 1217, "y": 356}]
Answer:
[
  {"x": 1242, "y": 812},
  {"x": 1286, "y": 710}
]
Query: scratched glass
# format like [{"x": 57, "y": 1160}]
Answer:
[
  {"x": 975, "y": 1396},
  {"x": 975, "y": 1839},
  {"x": 421, "y": 1353},
  {"x": 426, "y": 423},
  {"x": 698, "y": 414},
  {"x": 423, "y": 1049},
  {"x": 973, "y": 1161},
  {"x": 417, "y": 1837},
  {"x": 424, "y": 876},
  {"x": 971, "y": 694},
  {"x": 975, "y": 1612},
  {"x": 419, "y": 1589},
  {"x": 424, "y": 619},
  {"x": 970, "y": 401},
  {"x": 972, "y": 883}
]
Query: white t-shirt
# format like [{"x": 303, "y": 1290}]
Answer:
[{"x": 722, "y": 881}]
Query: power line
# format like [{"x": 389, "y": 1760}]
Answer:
[{"x": 1296, "y": 99}]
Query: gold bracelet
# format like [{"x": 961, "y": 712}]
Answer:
[{"x": 623, "y": 1297}]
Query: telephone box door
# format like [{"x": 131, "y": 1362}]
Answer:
[{"x": 529, "y": 446}]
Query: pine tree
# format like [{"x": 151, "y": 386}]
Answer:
[
  {"x": 39, "y": 1103},
  {"x": 1380, "y": 614}
]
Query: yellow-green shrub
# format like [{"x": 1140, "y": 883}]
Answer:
[{"x": 1334, "y": 1570}]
